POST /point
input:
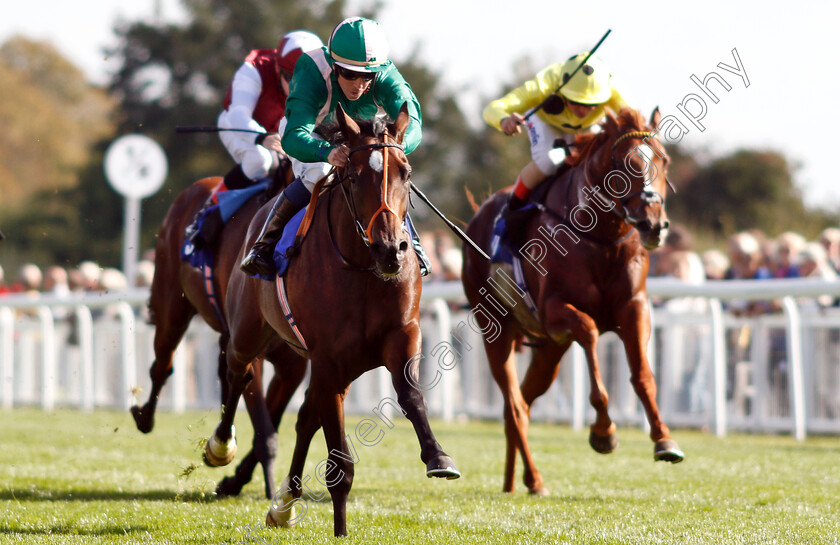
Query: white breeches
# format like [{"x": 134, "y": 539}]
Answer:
[
  {"x": 542, "y": 136},
  {"x": 256, "y": 161}
]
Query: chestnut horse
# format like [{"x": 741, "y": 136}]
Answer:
[
  {"x": 354, "y": 294},
  {"x": 585, "y": 264},
  {"x": 179, "y": 292}
]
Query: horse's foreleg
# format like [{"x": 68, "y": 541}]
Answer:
[
  {"x": 287, "y": 377},
  {"x": 265, "y": 433},
  {"x": 635, "y": 333},
  {"x": 264, "y": 447},
  {"x": 287, "y": 507},
  {"x": 221, "y": 370},
  {"x": 221, "y": 447},
  {"x": 289, "y": 372},
  {"x": 561, "y": 318},
  {"x": 401, "y": 354},
  {"x": 338, "y": 476},
  {"x": 545, "y": 363},
  {"x": 171, "y": 323},
  {"x": 503, "y": 367}
]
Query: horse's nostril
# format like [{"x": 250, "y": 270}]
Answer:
[
  {"x": 403, "y": 246},
  {"x": 666, "y": 224}
]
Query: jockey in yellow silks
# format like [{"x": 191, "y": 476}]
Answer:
[{"x": 578, "y": 106}]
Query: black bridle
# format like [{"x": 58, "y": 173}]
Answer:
[{"x": 340, "y": 179}]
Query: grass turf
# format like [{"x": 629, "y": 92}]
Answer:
[{"x": 71, "y": 477}]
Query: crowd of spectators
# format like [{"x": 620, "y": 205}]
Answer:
[
  {"x": 59, "y": 281},
  {"x": 750, "y": 255}
]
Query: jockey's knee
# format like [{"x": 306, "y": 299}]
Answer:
[
  {"x": 533, "y": 174},
  {"x": 548, "y": 163},
  {"x": 258, "y": 164},
  {"x": 311, "y": 173}
]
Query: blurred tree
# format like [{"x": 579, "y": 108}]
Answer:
[
  {"x": 744, "y": 190},
  {"x": 52, "y": 117}
]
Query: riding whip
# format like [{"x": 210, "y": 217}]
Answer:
[
  {"x": 210, "y": 128},
  {"x": 581, "y": 65},
  {"x": 462, "y": 235}
]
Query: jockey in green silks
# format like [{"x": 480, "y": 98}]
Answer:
[{"x": 355, "y": 71}]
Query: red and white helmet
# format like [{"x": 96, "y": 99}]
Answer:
[{"x": 293, "y": 45}]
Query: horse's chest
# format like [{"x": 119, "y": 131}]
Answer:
[{"x": 596, "y": 282}]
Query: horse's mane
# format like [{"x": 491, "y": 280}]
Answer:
[
  {"x": 331, "y": 132},
  {"x": 587, "y": 143}
]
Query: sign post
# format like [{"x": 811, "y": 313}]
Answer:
[{"x": 136, "y": 167}]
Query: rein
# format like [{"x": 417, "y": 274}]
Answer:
[
  {"x": 364, "y": 233},
  {"x": 339, "y": 181}
]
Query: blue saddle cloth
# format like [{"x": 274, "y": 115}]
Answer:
[
  {"x": 502, "y": 250},
  {"x": 229, "y": 202},
  {"x": 281, "y": 250}
]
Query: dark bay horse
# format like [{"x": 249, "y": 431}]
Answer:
[
  {"x": 354, "y": 293},
  {"x": 585, "y": 265},
  {"x": 179, "y": 292}
]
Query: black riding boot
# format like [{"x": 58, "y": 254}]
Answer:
[
  {"x": 210, "y": 229},
  {"x": 516, "y": 219},
  {"x": 260, "y": 260},
  {"x": 213, "y": 223}
]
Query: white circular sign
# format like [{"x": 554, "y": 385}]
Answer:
[{"x": 135, "y": 165}]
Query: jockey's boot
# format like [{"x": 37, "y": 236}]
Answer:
[
  {"x": 212, "y": 228},
  {"x": 422, "y": 258},
  {"x": 195, "y": 234},
  {"x": 260, "y": 260},
  {"x": 515, "y": 219},
  {"x": 213, "y": 224},
  {"x": 236, "y": 178}
]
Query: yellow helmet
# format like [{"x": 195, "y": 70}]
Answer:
[{"x": 591, "y": 84}]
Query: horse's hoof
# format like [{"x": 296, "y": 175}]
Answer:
[
  {"x": 283, "y": 515},
  {"x": 144, "y": 423},
  {"x": 541, "y": 491},
  {"x": 668, "y": 451},
  {"x": 603, "y": 443},
  {"x": 217, "y": 454},
  {"x": 228, "y": 486},
  {"x": 280, "y": 519},
  {"x": 442, "y": 467}
]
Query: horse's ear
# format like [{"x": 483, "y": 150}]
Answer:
[
  {"x": 655, "y": 117},
  {"x": 401, "y": 124},
  {"x": 610, "y": 122},
  {"x": 348, "y": 126}
]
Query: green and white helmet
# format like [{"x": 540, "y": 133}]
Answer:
[{"x": 359, "y": 44}]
